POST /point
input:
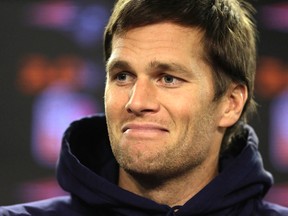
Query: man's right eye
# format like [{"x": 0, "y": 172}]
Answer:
[
  {"x": 121, "y": 76},
  {"x": 124, "y": 78}
]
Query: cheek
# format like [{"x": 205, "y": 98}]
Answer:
[
  {"x": 110, "y": 105},
  {"x": 115, "y": 101},
  {"x": 181, "y": 106},
  {"x": 112, "y": 99},
  {"x": 188, "y": 113}
]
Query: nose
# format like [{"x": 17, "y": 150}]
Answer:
[{"x": 142, "y": 98}]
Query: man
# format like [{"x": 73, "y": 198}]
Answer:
[{"x": 179, "y": 87}]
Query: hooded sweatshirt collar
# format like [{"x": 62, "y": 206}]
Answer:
[{"x": 88, "y": 170}]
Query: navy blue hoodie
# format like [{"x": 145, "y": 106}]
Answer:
[{"x": 88, "y": 171}]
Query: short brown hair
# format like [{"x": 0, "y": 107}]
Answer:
[{"x": 229, "y": 38}]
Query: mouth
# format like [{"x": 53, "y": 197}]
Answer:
[{"x": 143, "y": 127}]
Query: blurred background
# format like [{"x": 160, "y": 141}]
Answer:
[{"x": 52, "y": 72}]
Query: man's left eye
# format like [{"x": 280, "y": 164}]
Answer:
[{"x": 169, "y": 79}]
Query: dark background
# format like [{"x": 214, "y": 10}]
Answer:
[{"x": 59, "y": 32}]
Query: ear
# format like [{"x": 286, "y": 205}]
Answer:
[{"x": 233, "y": 104}]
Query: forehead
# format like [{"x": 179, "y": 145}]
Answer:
[{"x": 161, "y": 36}]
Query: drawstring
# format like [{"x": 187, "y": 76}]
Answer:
[{"x": 173, "y": 211}]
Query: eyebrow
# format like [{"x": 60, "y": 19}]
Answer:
[
  {"x": 153, "y": 66},
  {"x": 118, "y": 64},
  {"x": 170, "y": 66}
]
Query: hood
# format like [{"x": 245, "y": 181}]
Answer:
[{"x": 88, "y": 170}]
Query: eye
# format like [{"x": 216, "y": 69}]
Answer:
[
  {"x": 123, "y": 78},
  {"x": 170, "y": 81}
]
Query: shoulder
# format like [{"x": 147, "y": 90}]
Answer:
[
  {"x": 53, "y": 206},
  {"x": 272, "y": 209}
]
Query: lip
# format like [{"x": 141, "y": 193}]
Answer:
[{"x": 143, "y": 127}]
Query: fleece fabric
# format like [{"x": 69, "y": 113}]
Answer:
[{"x": 88, "y": 170}]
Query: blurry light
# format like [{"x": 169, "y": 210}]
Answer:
[
  {"x": 90, "y": 24},
  {"x": 275, "y": 16},
  {"x": 51, "y": 14},
  {"x": 85, "y": 23}
]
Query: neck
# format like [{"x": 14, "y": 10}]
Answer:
[{"x": 173, "y": 191}]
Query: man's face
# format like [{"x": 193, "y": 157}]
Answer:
[{"x": 158, "y": 101}]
